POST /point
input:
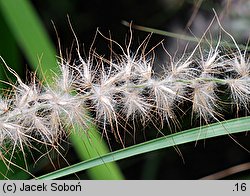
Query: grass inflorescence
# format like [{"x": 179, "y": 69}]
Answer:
[{"x": 123, "y": 91}]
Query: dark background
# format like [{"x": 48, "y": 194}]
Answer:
[{"x": 196, "y": 160}]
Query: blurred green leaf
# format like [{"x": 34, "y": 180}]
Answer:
[
  {"x": 92, "y": 147},
  {"x": 30, "y": 35},
  {"x": 9, "y": 52}
]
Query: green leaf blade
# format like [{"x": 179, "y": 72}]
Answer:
[{"x": 209, "y": 131}]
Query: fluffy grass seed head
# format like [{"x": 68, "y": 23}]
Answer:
[
  {"x": 238, "y": 80},
  {"x": 122, "y": 90}
]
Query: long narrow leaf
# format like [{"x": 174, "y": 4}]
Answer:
[{"x": 191, "y": 135}]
